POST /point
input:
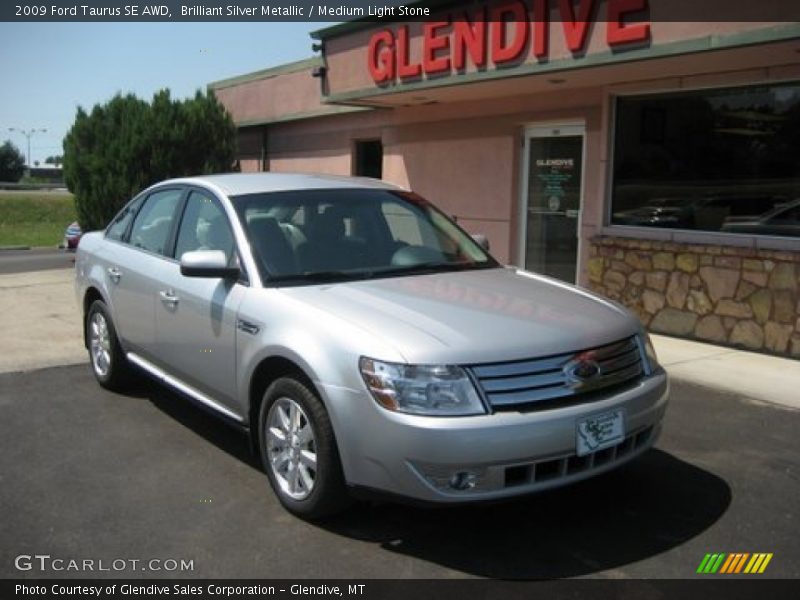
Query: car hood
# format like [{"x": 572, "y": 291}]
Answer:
[{"x": 473, "y": 317}]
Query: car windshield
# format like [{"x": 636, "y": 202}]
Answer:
[{"x": 343, "y": 234}]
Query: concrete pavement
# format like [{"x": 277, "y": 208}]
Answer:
[
  {"x": 40, "y": 320},
  {"x": 748, "y": 374}
]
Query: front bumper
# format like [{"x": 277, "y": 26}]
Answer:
[{"x": 506, "y": 453}]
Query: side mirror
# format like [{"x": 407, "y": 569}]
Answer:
[
  {"x": 482, "y": 240},
  {"x": 207, "y": 263}
]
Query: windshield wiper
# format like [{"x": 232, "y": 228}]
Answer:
[
  {"x": 334, "y": 276},
  {"x": 315, "y": 277},
  {"x": 431, "y": 267}
]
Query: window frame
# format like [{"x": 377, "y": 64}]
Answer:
[
  {"x": 171, "y": 236},
  {"x": 677, "y": 235},
  {"x": 244, "y": 276},
  {"x": 125, "y": 234}
]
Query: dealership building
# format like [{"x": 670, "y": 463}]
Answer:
[{"x": 601, "y": 143}]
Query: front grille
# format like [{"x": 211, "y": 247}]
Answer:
[
  {"x": 530, "y": 474},
  {"x": 573, "y": 464},
  {"x": 534, "y": 384}
]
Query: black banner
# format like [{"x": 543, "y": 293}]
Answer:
[
  {"x": 377, "y": 10},
  {"x": 387, "y": 589}
]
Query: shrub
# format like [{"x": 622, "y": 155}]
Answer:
[
  {"x": 12, "y": 163},
  {"x": 128, "y": 144}
]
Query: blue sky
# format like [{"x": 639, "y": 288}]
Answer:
[{"x": 47, "y": 70}]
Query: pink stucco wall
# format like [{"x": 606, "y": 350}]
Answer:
[{"x": 273, "y": 97}]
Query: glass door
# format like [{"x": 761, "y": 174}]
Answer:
[{"x": 552, "y": 198}]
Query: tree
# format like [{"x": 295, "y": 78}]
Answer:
[
  {"x": 128, "y": 144},
  {"x": 12, "y": 163},
  {"x": 54, "y": 160}
]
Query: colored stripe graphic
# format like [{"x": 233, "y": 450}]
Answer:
[
  {"x": 717, "y": 564},
  {"x": 753, "y": 561},
  {"x": 703, "y": 563},
  {"x": 741, "y": 562},
  {"x": 730, "y": 564},
  {"x": 765, "y": 563},
  {"x": 758, "y": 563},
  {"x": 732, "y": 558},
  {"x": 723, "y": 563},
  {"x": 711, "y": 563}
]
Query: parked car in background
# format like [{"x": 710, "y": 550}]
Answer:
[
  {"x": 783, "y": 220},
  {"x": 674, "y": 212},
  {"x": 364, "y": 341},
  {"x": 708, "y": 213},
  {"x": 72, "y": 236}
]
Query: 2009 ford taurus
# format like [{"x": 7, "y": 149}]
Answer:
[{"x": 365, "y": 341}]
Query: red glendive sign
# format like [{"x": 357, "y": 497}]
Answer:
[{"x": 502, "y": 33}]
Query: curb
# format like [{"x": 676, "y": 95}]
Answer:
[
  {"x": 5, "y": 248},
  {"x": 762, "y": 377}
]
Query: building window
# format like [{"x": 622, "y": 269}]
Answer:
[
  {"x": 368, "y": 159},
  {"x": 715, "y": 160}
]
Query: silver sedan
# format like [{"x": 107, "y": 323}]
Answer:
[{"x": 364, "y": 341}]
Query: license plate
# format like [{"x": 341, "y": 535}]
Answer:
[{"x": 600, "y": 431}]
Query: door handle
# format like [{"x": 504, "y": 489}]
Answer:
[
  {"x": 114, "y": 274},
  {"x": 168, "y": 297}
]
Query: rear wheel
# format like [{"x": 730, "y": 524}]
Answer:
[
  {"x": 299, "y": 452},
  {"x": 109, "y": 365}
]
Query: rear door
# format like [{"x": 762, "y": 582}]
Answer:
[
  {"x": 196, "y": 317},
  {"x": 136, "y": 267}
]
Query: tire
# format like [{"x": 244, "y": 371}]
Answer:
[
  {"x": 298, "y": 451},
  {"x": 108, "y": 362}
]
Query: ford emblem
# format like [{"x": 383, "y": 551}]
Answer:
[{"x": 581, "y": 370}]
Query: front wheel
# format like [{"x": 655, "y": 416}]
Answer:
[
  {"x": 298, "y": 451},
  {"x": 109, "y": 365}
]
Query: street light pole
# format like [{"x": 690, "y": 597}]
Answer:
[{"x": 28, "y": 133}]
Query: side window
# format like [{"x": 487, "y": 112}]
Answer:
[
  {"x": 204, "y": 226},
  {"x": 154, "y": 222},
  {"x": 118, "y": 227}
]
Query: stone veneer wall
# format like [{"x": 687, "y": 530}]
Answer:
[{"x": 722, "y": 294}]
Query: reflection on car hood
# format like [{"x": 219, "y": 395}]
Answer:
[{"x": 473, "y": 316}]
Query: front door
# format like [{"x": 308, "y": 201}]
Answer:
[
  {"x": 552, "y": 199},
  {"x": 196, "y": 316}
]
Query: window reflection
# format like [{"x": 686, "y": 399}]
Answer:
[{"x": 713, "y": 160}]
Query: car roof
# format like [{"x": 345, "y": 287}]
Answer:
[{"x": 234, "y": 184}]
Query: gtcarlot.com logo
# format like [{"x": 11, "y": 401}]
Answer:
[
  {"x": 45, "y": 562},
  {"x": 735, "y": 563}
]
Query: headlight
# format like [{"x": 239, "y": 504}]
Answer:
[
  {"x": 439, "y": 390},
  {"x": 650, "y": 351}
]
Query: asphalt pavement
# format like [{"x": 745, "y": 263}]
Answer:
[
  {"x": 35, "y": 259},
  {"x": 86, "y": 473}
]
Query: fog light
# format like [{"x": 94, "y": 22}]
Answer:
[{"x": 463, "y": 480}]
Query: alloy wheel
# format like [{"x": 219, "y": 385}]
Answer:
[
  {"x": 291, "y": 448},
  {"x": 100, "y": 344}
]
